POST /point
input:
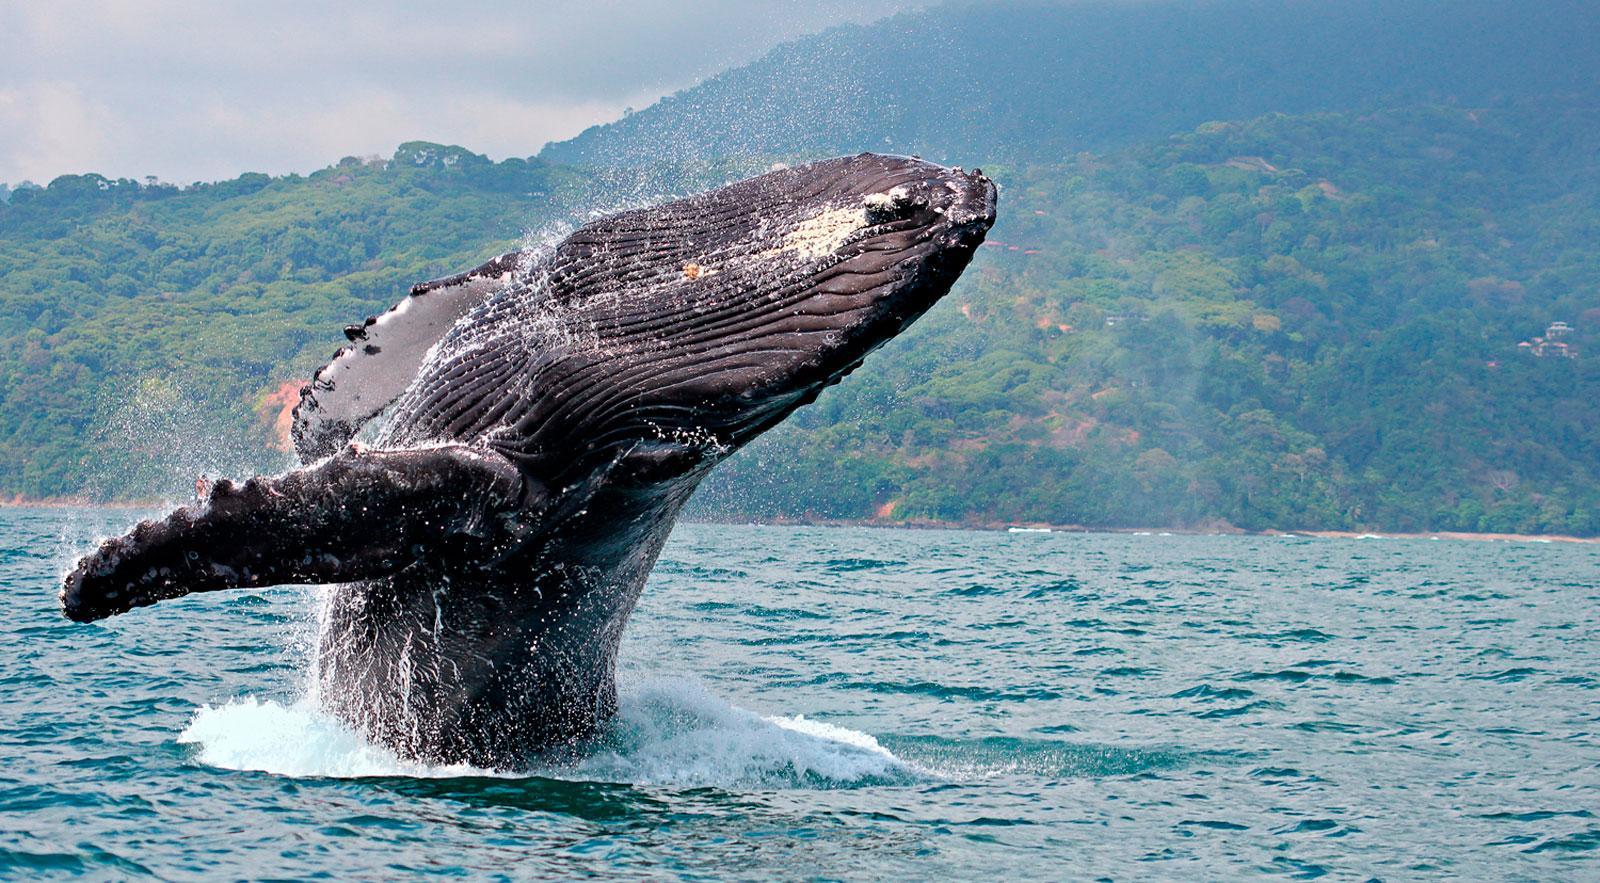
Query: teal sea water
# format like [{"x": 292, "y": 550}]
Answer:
[{"x": 856, "y": 703}]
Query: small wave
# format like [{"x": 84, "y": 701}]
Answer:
[
  {"x": 1582, "y": 841},
  {"x": 665, "y": 734},
  {"x": 975, "y": 590},
  {"x": 1214, "y": 824},
  {"x": 1206, "y": 691},
  {"x": 90, "y": 859},
  {"x": 850, "y": 565}
]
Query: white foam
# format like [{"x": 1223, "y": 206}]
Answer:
[
  {"x": 675, "y": 733},
  {"x": 667, "y": 733},
  {"x": 295, "y": 740}
]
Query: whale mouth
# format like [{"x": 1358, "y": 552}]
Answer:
[
  {"x": 919, "y": 225},
  {"x": 916, "y": 226}
]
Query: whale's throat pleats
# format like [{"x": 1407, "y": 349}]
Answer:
[{"x": 383, "y": 356}]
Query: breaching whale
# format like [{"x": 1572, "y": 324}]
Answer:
[{"x": 548, "y": 414}]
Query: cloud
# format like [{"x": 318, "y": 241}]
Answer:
[
  {"x": 52, "y": 125},
  {"x": 202, "y": 91}
]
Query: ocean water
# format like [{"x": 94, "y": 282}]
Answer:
[{"x": 865, "y": 704}]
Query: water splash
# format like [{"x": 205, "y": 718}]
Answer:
[
  {"x": 677, "y": 733},
  {"x": 166, "y": 432},
  {"x": 294, "y": 740},
  {"x": 666, "y": 733}
]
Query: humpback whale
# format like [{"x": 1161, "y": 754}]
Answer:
[{"x": 541, "y": 421}]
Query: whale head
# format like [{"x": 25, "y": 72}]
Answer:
[{"x": 669, "y": 336}]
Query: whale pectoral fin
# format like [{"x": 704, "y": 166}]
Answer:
[
  {"x": 384, "y": 354},
  {"x": 357, "y": 515}
]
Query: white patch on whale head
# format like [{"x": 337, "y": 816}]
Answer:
[
  {"x": 884, "y": 201},
  {"x": 823, "y": 233},
  {"x": 878, "y": 200}
]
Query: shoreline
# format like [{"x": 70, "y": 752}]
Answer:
[
  {"x": 1221, "y": 529},
  {"x": 1450, "y": 535}
]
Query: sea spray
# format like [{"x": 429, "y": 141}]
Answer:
[{"x": 670, "y": 732}]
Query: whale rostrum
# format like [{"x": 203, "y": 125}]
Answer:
[{"x": 546, "y": 416}]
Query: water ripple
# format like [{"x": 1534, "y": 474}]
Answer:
[{"x": 841, "y": 703}]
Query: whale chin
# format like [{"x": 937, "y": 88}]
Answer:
[{"x": 548, "y": 416}]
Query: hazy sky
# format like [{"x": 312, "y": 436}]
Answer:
[{"x": 205, "y": 90}]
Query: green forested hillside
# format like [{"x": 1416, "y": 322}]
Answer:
[
  {"x": 1306, "y": 320},
  {"x": 138, "y": 314}
]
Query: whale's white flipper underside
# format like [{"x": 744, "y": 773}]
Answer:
[{"x": 384, "y": 354}]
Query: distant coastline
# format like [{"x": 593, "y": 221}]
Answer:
[
  {"x": 1218, "y": 530},
  {"x": 21, "y": 502}
]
